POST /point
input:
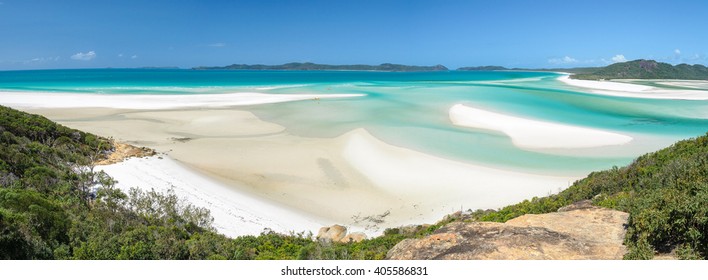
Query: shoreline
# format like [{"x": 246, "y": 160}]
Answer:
[
  {"x": 235, "y": 214},
  {"x": 533, "y": 134},
  {"x": 353, "y": 179},
  {"x": 619, "y": 89},
  {"x": 39, "y": 100}
]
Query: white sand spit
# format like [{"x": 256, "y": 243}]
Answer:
[
  {"x": 639, "y": 91},
  {"x": 235, "y": 213},
  {"x": 151, "y": 101},
  {"x": 416, "y": 176},
  {"x": 535, "y": 134}
]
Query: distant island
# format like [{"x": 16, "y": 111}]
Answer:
[
  {"x": 636, "y": 69},
  {"x": 646, "y": 69},
  {"x": 308, "y": 66}
]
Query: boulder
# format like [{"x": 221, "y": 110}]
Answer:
[
  {"x": 584, "y": 232},
  {"x": 353, "y": 237},
  {"x": 332, "y": 234}
]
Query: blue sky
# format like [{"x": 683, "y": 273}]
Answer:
[{"x": 99, "y": 33}]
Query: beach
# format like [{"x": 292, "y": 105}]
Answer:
[
  {"x": 255, "y": 174},
  {"x": 247, "y": 171},
  {"x": 698, "y": 89}
]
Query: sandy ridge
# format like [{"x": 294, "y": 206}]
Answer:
[
  {"x": 535, "y": 134},
  {"x": 618, "y": 89}
]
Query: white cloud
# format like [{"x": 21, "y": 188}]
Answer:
[
  {"x": 134, "y": 56},
  {"x": 677, "y": 52},
  {"x": 38, "y": 60},
  {"x": 120, "y": 55},
  {"x": 217, "y": 45},
  {"x": 84, "y": 56},
  {"x": 564, "y": 60},
  {"x": 619, "y": 58}
]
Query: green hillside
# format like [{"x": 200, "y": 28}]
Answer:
[{"x": 646, "y": 69}]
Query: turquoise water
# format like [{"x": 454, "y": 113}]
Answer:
[{"x": 411, "y": 109}]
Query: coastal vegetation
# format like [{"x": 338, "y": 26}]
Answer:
[
  {"x": 307, "y": 66},
  {"x": 636, "y": 69},
  {"x": 645, "y": 69},
  {"x": 54, "y": 206}
]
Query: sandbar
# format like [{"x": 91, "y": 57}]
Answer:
[
  {"x": 623, "y": 89},
  {"x": 535, "y": 134},
  {"x": 152, "y": 101}
]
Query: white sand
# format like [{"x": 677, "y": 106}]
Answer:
[
  {"x": 261, "y": 176},
  {"x": 638, "y": 91},
  {"x": 413, "y": 187},
  {"x": 445, "y": 184},
  {"x": 702, "y": 85},
  {"x": 234, "y": 213},
  {"x": 533, "y": 134},
  {"x": 151, "y": 101}
]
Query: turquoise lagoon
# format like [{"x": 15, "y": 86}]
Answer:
[{"x": 410, "y": 109}]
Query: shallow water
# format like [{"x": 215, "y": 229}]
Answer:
[{"x": 411, "y": 109}]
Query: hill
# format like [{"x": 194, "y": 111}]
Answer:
[
  {"x": 646, "y": 69},
  {"x": 307, "y": 66}
]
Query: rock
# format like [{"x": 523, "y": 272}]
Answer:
[
  {"x": 584, "y": 233},
  {"x": 125, "y": 151},
  {"x": 337, "y": 233},
  {"x": 353, "y": 237},
  {"x": 332, "y": 234}
]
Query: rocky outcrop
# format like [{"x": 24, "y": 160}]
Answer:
[
  {"x": 123, "y": 151},
  {"x": 581, "y": 232},
  {"x": 353, "y": 237},
  {"x": 337, "y": 233}
]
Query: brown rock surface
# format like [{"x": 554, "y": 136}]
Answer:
[
  {"x": 333, "y": 233},
  {"x": 353, "y": 237},
  {"x": 124, "y": 151},
  {"x": 587, "y": 232}
]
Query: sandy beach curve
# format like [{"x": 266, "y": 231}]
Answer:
[
  {"x": 534, "y": 134},
  {"x": 618, "y": 89},
  {"x": 234, "y": 213}
]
